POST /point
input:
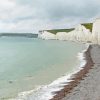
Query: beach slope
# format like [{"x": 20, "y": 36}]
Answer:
[{"x": 89, "y": 86}]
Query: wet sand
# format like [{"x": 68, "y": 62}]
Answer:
[{"x": 86, "y": 83}]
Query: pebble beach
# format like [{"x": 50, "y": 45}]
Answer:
[{"x": 85, "y": 84}]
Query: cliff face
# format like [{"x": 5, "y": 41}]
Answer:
[
  {"x": 96, "y": 31},
  {"x": 89, "y": 32},
  {"x": 80, "y": 33},
  {"x": 47, "y": 35}
]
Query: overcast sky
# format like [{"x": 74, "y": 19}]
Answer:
[{"x": 34, "y": 15}]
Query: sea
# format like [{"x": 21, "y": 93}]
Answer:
[{"x": 32, "y": 68}]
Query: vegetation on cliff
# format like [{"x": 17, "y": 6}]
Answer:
[
  {"x": 88, "y": 26},
  {"x": 55, "y": 31}
]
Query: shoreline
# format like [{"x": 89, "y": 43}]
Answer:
[
  {"x": 76, "y": 78},
  {"x": 56, "y": 85}
]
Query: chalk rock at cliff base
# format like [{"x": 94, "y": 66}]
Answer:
[{"x": 47, "y": 35}]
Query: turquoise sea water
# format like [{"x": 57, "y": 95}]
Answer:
[{"x": 26, "y": 63}]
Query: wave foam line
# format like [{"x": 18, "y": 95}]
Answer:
[{"x": 48, "y": 91}]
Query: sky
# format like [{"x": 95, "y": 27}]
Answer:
[{"x": 35, "y": 15}]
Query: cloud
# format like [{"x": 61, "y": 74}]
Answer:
[{"x": 34, "y": 15}]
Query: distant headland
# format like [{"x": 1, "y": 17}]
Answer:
[{"x": 28, "y": 35}]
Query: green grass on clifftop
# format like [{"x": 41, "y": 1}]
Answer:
[
  {"x": 54, "y": 31},
  {"x": 88, "y": 26}
]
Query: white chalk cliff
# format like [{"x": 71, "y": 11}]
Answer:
[
  {"x": 80, "y": 33},
  {"x": 96, "y": 31},
  {"x": 47, "y": 35}
]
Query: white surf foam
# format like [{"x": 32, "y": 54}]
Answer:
[{"x": 47, "y": 92}]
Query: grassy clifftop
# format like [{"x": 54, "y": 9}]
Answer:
[
  {"x": 54, "y": 31},
  {"x": 88, "y": 26}
]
